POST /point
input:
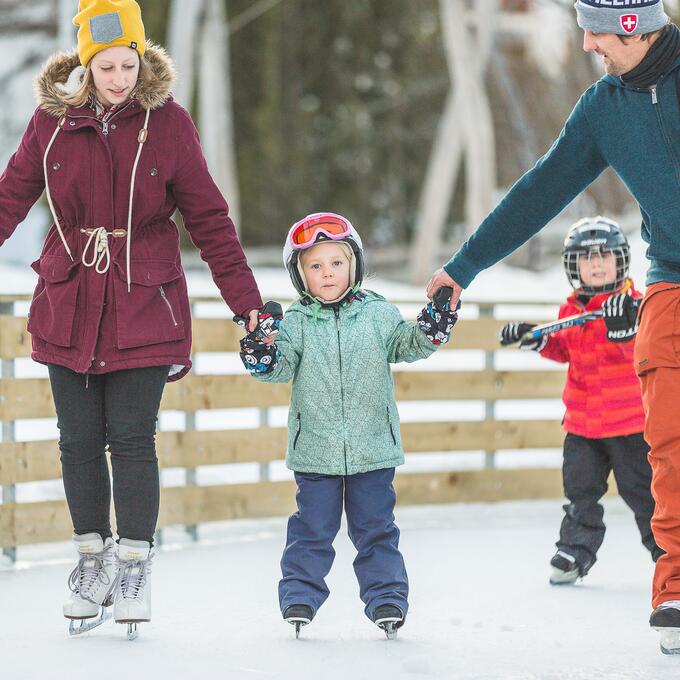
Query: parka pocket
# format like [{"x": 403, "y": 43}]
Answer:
[
  {"x": 151, "y": 312},
  {"x": 389, "y": 422},
  {"x": 53, "y": 307},
  {"x": 299, "y": 430}
]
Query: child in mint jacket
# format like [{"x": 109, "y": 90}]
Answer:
[{"x": 336, "y": 344}]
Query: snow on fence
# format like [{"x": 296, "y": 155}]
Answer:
[{"x": 24, "y": 523}]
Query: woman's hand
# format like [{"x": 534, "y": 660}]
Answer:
[{"x": 252, "y": 325}]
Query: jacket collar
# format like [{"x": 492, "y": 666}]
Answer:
[
  {"x": 151, "y": 92},
  {"x": 346, "y": 309},
  {"x": 617, "y": 82}
]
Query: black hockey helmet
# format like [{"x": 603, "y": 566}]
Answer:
[{"x": 595, "y": 235}]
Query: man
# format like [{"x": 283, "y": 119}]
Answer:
[{"x": 629, "y": 120}]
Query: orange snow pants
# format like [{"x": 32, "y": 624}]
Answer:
[{"x": 657, "y": 362}]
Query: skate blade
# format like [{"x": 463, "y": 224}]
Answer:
[
  {"x": 88, "y": 624},
  {"x": 298, "y": 623},
  {"x": 390, "y": 626},
  {"x": 669, "y": 641},
  {"x": 132, "y": 631}
]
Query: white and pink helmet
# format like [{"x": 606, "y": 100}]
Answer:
[{"x": 316, "y": 228}]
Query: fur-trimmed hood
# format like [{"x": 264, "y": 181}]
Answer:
[{"x": 151, "y": 92}]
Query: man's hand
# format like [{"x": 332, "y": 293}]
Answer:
[
  {"x": 440, "y": 279},
  {"x": 620, "y": 317}
]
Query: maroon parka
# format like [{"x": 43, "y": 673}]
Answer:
[{"x": 99, "y": 322}]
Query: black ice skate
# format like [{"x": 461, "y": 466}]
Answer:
[
  {"x": 298, "y": 615},
  {"x": 388, "y": 617},
  {"x": 565, "y": 570},
  {"x": 666, "y": 619}
]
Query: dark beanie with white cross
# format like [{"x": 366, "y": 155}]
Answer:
[{"x": 623, "y": 17}]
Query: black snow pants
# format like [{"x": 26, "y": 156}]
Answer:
[{"x": 585, "y": 469}]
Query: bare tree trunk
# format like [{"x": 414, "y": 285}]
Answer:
[
  {"x": 204, "y": 23},
  {"x": 216, "y": 121},
  {"x": 183, "y": 28},
  {"x": 66, "y": 30},
  {"x": 466, "y": 129}
]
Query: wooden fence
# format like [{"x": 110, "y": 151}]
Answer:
[{"x": 23, "y": 523}]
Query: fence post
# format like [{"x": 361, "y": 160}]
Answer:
[
  {"x": 487, "y": 310},
  {"x": 264, "y": 422},
  {"x": 8, "y": 430},
  {"x": 190, "y": 476}
]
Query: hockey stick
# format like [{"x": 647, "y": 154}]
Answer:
[{"x": 567, "y": 322}]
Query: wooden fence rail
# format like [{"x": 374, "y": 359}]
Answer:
[{"x": 24, "y": 462}]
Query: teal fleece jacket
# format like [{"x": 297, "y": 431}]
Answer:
[
  {"x": 343, "y": 418},
  {"x": 634, "y": 131}
]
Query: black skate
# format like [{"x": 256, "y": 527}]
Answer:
[
  {"x": 388, "y": 617},
  {"x": 298, "y": 615},
  {"x": 565, "y": 570},
  {"x": 666, "y": 619}
]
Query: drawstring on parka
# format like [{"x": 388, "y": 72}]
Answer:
[{"x": 98, "y": 237}]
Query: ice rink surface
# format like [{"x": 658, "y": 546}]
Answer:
[{"x": 481, "y": 607}]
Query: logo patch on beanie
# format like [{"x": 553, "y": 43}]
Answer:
[
  {"x": 629, "y": 22},
  {"x": 105, "y": 28}
]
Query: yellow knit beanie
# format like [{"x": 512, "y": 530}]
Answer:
[{"x": 108, "y": 23}]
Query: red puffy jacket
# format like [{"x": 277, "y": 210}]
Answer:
[{"x": 602, "y": 392}]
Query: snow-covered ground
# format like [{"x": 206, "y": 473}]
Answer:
[{"x": 481, "y": 608}]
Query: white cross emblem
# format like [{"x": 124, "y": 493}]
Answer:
[{"x": 629, "y": 22}]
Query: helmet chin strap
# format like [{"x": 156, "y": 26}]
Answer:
[{"x": 329, "y": 303}]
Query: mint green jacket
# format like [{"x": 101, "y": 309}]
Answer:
[{"x": 343, "y": 417}]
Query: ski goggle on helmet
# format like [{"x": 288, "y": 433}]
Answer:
[
  {"x": 317, "y": 228},
  {"x": 594, "y": 237}
]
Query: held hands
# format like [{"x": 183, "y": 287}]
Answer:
[
  {"x": 620, "y": 317},
  {"x": 515, "y": 332},
  {"x": 258, "y": 352},
  {"x": 440, "y": 279},
  {"x": 436, "y": 319}
]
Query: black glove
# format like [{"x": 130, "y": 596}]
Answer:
[
  {"x": 436, "y": 320},
  {"x": 620, "y": 317},
  {"x": 269, "y": 318},
  {"x": 513, "y": 332},
  {"x": 258, "y": 357}
]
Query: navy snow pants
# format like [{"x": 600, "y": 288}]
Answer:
[{"x": 369, "y": 500}]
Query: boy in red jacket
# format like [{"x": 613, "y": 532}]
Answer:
[{"x": 604, "y": 418}]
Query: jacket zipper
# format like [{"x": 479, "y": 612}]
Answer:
[
  {"x": 342, "y": 390},
  {"x": 671, "y": 151},
  {"x": 104, "y": 122},
  {"x": 39, "y": 295},
  {"x": 389, "y": 422},
  {"x": 297, "y": 435},
  {"x": 167, "y": 302}
]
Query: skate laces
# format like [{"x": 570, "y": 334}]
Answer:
[
  {"x": 87, "y": 573},
  {"x": 132, "y": 577}
]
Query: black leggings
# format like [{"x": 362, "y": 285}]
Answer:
[{"x": 118, "y": 409}]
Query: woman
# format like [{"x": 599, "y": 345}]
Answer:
[{"x": 110, "y": 314}]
